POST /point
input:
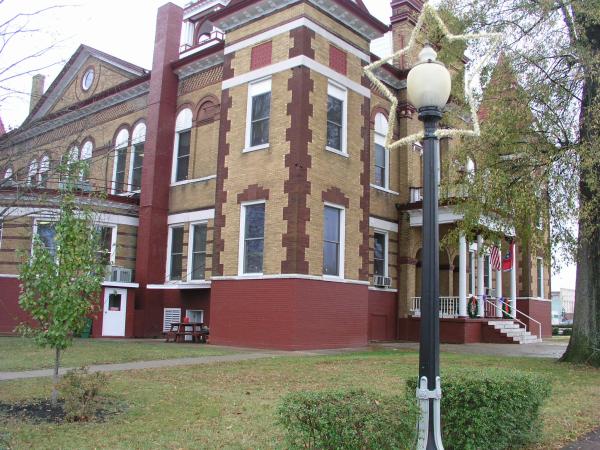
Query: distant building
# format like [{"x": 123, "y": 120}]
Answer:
[{"x": 563, "y": 306}]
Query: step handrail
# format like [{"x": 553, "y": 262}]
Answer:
[{"x": 515, "y": 318}]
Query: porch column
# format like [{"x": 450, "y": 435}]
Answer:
[
  {"x": 462, "y": 276},
  {"x": 499, "y": 286},
  {"x": 480, "y": 277},
  {"x": 513, "y": 282}
]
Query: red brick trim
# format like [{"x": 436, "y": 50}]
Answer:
[
  {"x": 365, "y": 180},
  {"x": 252, "y": 193},
  {"x": 298, "y": 161},
  {"x": 123, "y": 126},
  {"x": 335, "y": 195},
  {"x": 405, "y": 260},
  {"x": 261, "y": 55},
  {"x": 378, "y": 110},
  {"x": 222, "y": 171},
  {"x": 302, "y": 37},
  {"x": 207, "y": 110},
  {"x": 338, "y": 59}
]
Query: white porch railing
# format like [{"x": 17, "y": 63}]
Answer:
[{"x": 448, "y": 307}]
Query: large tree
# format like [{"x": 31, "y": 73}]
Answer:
[{"x": 539, "y": 149}]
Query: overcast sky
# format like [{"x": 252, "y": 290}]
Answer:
[{"x": 123, "y": 28}]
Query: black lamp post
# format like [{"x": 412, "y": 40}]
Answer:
[{"x": 428, "y": 88}]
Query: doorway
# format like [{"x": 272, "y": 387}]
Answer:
[{"x": 115, "y": 309}]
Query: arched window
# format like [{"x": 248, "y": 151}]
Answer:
[
  {"x": 86, "y": 155},
  {"x": 73, "y": 155},
  {"x": 382, "y": 154},
  {"x": 135, "y": 169},
  {"x": 44, "y": 171},
  {"x": 181, "y": 151},
  {"x": 8, "y": 173},
  {"x": 120, "y": 161},
  {"x": 32, "y": 174}
]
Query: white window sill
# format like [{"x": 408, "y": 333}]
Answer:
[
  {"x": 337, "y": 152},
  {"x": 250, "y": 275},
  {"x": 389, "y": 191},
  {"x": 333, "y": 277},
  {"x": 255, "y": 148},
  {"x": 195, "y": 180}
]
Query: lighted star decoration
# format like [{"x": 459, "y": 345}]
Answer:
[{"x": 470, "y": 77}]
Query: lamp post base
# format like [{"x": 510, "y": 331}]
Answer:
[{"x": 428, "y": 401}]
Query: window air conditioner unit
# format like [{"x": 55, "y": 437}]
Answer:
[
  {"x": 121, "y": 275},
  {"x": 381, "y": 281}
]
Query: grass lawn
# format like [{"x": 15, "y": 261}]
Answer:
[
  {"x": 22, "y": 354},
  {"x": 232, "y": 405}
]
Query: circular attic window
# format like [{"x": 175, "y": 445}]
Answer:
[{"x": 88, "y": 79}]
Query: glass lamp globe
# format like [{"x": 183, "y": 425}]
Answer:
[{"x": 428, "y": 82}]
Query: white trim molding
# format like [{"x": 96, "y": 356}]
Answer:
[
  {"x": 120, "y": 285},
  {"x": 286, "y": 27},
  {"x": 195, "y": 180},
  {"x": 291, "y": 276},
  {"x": 290, "y": 64},
  {"x": 194, "y": 216},
  {"x": 174, "y": 286},
  {"x": 383, "y": 225}
]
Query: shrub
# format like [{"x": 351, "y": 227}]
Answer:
[
  {"x": 497, "y": 409},
  {"x": 354, "y": 419},
  {"x": 81, "y": 393}
]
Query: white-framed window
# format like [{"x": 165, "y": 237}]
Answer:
[
  {"x": 32, "y": 173},
  {"x": 333, "y": 240},
  {"x": 181, "y": 147},
  {"x": 138, "y": 139},
  {"x": 337, "y": 114},
  {"x": 175, "y": 253},
  {"x": 252, "y": 238},
  {"x": 108, "y": 243},
  {"x": 86, "y": 156},
  {"x": 120, "y": 162},
  {"x": 8, "y": 173},
  {"x": 258, "y": 115},
  {"x": 45, "y": 230},
  {"x": 44, "y": 172},
  {"x": 382, "y": 154},
  {"x": 170, "y": 315},
  {"x": 197, "y": 251},
  {"x": 540, "y": 277},
  {"x": 380, "y": 253}
]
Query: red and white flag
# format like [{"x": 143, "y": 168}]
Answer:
[
  {"x": 496, "y": 258},
  {"x": 507, "y": 262}
]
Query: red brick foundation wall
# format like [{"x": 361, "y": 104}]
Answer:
[
  {"x": 10, "y": 313},
  {"x": 288, "y": 314},
  {"x": 540, "y": 310},
  {"x": 452, "y": 331},
  {"x": 383, "y": 311}
]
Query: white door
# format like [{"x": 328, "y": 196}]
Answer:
[{"x": 115, "y": 308}]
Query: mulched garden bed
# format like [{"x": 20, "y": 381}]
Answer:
[{"x": 42, "y": 411}]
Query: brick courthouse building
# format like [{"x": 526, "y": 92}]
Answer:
[{"x": 246, "y": 183}]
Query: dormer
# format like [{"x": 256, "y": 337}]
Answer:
[{"x": 197, "y": 31}]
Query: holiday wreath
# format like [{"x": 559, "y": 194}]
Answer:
[
  {"x": 506, "y": 310},
  {"x": 472, "y": 307}
]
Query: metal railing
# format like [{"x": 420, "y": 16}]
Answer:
[
  {"x": 517, "y": 312},
  {"x": 416, "y": 193},
  {"x": 448, "y": 307}
]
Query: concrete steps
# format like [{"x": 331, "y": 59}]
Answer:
[{"x": 513, "y": 332}]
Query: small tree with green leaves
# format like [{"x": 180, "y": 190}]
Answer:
[{"x": 61, "y": 283}]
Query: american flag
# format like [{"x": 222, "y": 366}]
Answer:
[{"x": 496, "y": 258}]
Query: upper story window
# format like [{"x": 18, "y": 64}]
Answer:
[
  {"x": 120, "y": 161},
  {"x": 8, "y": 173},
  {"x": 137, "y": 158},
  {"x": 181, "y": 153},
  {"x": 107, "y": 236},
  {"x": 32, "y": 173},
  {"x": 380, "y": 254},
  {"x": 540, "y": 277},
  {"x": 337, "y": 98},
  {"x": 86, "y": 156},
  {"x": 333, "y": 241},
  {"x": 258, "y": 115},
  {"x": 197, "y": 251},
  {"x": 46, "y": 232},
  {"x": 175, "y": 272},
  {"x": 88, "y": 79},
  {"x": 44, "y": 172},
  {"x": 252, "y": 238},
  {"x": 382, "y": 154}
]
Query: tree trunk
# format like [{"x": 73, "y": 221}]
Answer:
[
  {"x": 584, "y": 346},
  {"x": 54, "y": 398}
]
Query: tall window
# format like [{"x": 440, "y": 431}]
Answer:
[
  {"x": 380, "y": 255},
  {"x": 105, "y": 254},
  {"x": 47, "y": 233},
  {"x": 8, "y": 173},
  {"x": 44, "y": 171},
  {"x": 181, "y": 154},
  {"x": 198, "y": 251},
  {"x": 120, "y": 162},
  {"x": 176, "y": 253},
  {"x": 86, "y": 156},
  {"x": 333, "y": 241},
  {"x": 540, "y": 277},
  {"x": 336, "y": 118},
  {"x": 252, "y": 240},
  {"x": 382, "y": 155},
  {"x": 137, "y": 142},
  {"x": 32, "y": 174},
  {"x": 258, "y": 114}
]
